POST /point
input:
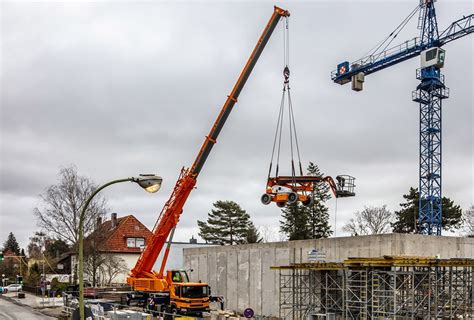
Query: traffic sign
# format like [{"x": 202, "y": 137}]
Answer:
[{"x": 248, "y": 313}]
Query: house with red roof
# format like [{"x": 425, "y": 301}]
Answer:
[{"x": 114, "y": 247}]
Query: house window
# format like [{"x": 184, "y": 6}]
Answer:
[{"x": 135, "y": 242}]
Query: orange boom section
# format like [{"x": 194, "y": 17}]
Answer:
[{"x": 142, "y": 277}]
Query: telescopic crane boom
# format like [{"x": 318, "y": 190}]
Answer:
[{"x": 141, "y": 276}]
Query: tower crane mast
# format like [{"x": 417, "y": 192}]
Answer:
[{"x": 428, "y": 94}]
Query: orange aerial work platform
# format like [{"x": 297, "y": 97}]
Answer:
[{"x": 289, "y": 189}]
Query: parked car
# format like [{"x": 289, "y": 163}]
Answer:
[{"x": 13, "y": 287}]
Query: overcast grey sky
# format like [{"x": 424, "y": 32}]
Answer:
[{"x": 120, "y": 88}]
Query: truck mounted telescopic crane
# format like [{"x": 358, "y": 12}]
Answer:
[{"x": 174, "y": 287}]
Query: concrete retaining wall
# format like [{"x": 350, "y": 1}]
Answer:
[{"x": 242, "y": 273}]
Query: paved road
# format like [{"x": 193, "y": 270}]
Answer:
[{"x": 11, "y": 311}]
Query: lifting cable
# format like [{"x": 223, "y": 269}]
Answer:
[
  {"x": 286, "y": 98},
  {"x": 392, "y": 35}
]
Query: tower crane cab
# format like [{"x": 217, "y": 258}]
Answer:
[{"x": 433, "y": 57}]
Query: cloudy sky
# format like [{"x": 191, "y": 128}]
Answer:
[{"x": 119, "y": 88}]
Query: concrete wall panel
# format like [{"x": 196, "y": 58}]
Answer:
[
  {"x": 269, "y": 278},
  {"x": 243, "y": 282},
  {"x": 203, "y": 266},
  {"x": 232, "y": 275},
  {"x": 221, "y": 275},
  {"x": 212, "y": 269},
  {"x": 255, "y": 280}
]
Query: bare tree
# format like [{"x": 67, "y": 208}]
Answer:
[
  {"x": 468, "y": 221},
  {"x": 268, "y": 234},
  {"x": 37, "y": 244},
  {"x": 371, "y": 220},
  {"x": 111, "y": 267},
  {"x": 63, "y": 204},
  {"x": 93, "y": 263},
  {"x": 102, "y": 268}
]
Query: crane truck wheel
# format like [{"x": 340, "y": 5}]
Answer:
[
  {"x": 266, "y": 198},
  {"x": 292, "y": 197}
]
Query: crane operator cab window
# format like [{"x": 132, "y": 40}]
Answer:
[
  {"x": 433, "y": 57},
  {"x": 179, "y": 276}
]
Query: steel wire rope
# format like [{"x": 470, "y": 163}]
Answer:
[
  {"x": 290, "y": 106},
  {"x": 277, "y": 130},
  {"x": 373, "y": 51},
  {"x": 281, "y": 116},
  {"x": 401, "y": 26},
  {"x": 280, "y": 131},
  {"x": 291, "y": 136}
]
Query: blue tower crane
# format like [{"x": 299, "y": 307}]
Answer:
[{"x": 429, "y": 94}]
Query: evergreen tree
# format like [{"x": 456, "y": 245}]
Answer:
[
  {"x": 407, "y": 218},
  {"x": 253, "y": 235},
  {"x": 12, "y": 244},
  {"x": 227, "y": 224},
  {"x": 312, "y": 222},
  {"x": 8, "y": 268},
  {"x": 318, "y": 211},
  {"x": 295, "y": 223}
]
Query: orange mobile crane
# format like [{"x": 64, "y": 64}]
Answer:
[{"x": 172, "y": 291}]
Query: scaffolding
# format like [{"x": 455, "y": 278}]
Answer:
[{"x": 390, "y": 287}]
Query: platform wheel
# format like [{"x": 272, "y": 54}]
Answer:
[
  {"x": 292, "y": 197},
  {"x": 308, "y": 202},
  {"x": 266, "y": 198}
]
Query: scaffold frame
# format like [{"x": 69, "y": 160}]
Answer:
[{"x": 378, "y": 288}]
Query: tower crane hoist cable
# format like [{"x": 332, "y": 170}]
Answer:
[{"x": 290, "y": 189}]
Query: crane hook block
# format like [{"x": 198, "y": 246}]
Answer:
[{"x": 286, "y": 74}]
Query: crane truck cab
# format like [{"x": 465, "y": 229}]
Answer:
[{"x": 180, "y": 296}]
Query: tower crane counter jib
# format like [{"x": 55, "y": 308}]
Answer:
[{"x": 160, "y": 289}]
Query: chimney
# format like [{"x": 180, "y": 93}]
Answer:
[
  {"x": 99, "y": 221},
  {"x": 113, "y": 218},
  {"x": 192, "y": 240}
]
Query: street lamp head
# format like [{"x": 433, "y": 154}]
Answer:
[{"x": 150, "y": 182}]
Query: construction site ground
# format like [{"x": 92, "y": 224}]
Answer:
[{"x": 54, "y": 308}]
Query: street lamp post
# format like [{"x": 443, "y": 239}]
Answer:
[{"x": 149, "y": 182}]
